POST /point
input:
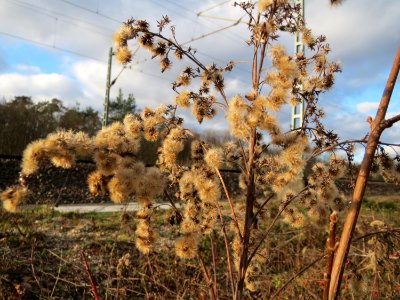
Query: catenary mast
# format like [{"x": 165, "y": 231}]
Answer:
[{"x": 298, "y": 109}]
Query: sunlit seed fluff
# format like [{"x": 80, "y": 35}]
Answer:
[
  {"x": 254, "y": 117},
  {"x": 178, "y": 54},
  {"x": 188, "y": 226},
  {"x": 165, "y": 64},
  {"x": 83, "y": 144},
  {"x": 183, "y": 99},
  {"x": 111, "y": 137},
  {"x": 133, "y": 126},
  {"x": 280, "y": 181},
  {"x": 119, "y": 39},
  {"x": 319, "y": 213},
  {"x": 13, "y": 197},
  {"x": 186, "y": 186},
  {"x": 34, "y": 153},
  {"x": 123, "y": 55},
  {"x": 237, "y": 117},
  {"x": 184, "y": 80},
  {"x": 186, "y": 246},
  {"x": 142, "y": 229},
  {"x": 214, "y": 157},
  {"x": 96, "y": 182},
  {"x": 63, "y": 159},
  {"x": 129, "y": 145},
  {"x": 270, "y": 124},
  {"x": 116, "y": 191},
  {"x": 263, "y": 5},
  {"x": 144, "y": 245},
  {"x": 127, "y": 31},
  {"x": 155, "y": 182},
  {"x": 106, "y": 162},
  {"x": 209, "y": 190},
  {"x": 308, "y": 39}
]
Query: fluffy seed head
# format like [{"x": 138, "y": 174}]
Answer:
[
  {"x": 123, "y": 55},
  {"x": 214, "y": 157},
  {"x": 183, "y": 100},
  {"x": 12, "y": 197},
  {"x": 186, "y": 246}
]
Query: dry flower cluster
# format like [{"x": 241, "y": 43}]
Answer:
[{"x": 271, "y": 161}]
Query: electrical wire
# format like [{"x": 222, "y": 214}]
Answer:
[
  {"x": 75, "y": 53},
  {"x": 212, "y": 7},
  {"x": 55, "y": 14},
  {"x": 92, "y": 11},
  {"x": 50, "y": 46}
]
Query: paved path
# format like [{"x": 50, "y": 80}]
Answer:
[{"x": 109, "y": 207}]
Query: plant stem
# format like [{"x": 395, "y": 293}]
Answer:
[
  {"x": 92, "y": 283},
  {"x": 330, "y": 245},
  {"x": 377, "y": 127}
]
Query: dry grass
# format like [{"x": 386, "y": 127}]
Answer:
[{"x": 40, "y": 258}]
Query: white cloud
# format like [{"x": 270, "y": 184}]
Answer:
[
  {"x": 27, "y": 68},
  {"x": 365, "y": 107},
  {"x": 39, "y": 86},
  {"x": 360, "y": 39}
]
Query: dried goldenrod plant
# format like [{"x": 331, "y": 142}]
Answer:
[{"x": 271, "y": 160}]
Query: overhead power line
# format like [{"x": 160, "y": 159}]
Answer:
[
  {"x": 50, "y": 46},
  {"x": 56, "y": 14},
  {"x": 76, "y": 53},
  {"x": 212, "y": 7},
  {"x": 92, "y": 11}
]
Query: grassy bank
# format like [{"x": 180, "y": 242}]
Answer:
[{"x": 40, "y": 258}]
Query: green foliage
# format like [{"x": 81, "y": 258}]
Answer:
[
  {"x": 121, "y": 106},
  {"x": 24, "y": 121},
  {"x": 86, "y": 120}
]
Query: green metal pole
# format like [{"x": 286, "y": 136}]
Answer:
[
  {"x": 108, "y": 86},
  {"x": 298, "y": 109}
]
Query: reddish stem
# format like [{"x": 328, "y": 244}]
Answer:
[{"x": 94, "y": 290}]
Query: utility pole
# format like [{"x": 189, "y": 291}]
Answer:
[
  {"x": 298, "y": 109},
  {"x": 108, "y": 86}
]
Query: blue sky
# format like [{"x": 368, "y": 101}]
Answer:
[{"x": 39, "y": 61}]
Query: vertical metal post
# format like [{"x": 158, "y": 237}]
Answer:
[
  {"x": 108, "y": 86},
  {"x": 298, "y": 109}
]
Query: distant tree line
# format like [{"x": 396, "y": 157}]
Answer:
[{"x": 23, "y": 121}]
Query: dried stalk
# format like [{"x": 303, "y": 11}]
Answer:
[
  {"x": 331, "y": 245},
  {"x": 209, "y": 281},
  {"x": 377, "y": 126},
  {"x": 296, "y": 275},
  {"x": 92, "y": 283},
  {"x": 230, "y": 203},
  {"x": 214, "y": 266}
]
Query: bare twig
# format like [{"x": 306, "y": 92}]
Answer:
[
  {"x": 209, "y": 281},
  {"x": 228, "y": 253},
  {"x": 377, "y": 127},
  {"x": 92, "y": 283},
  {"x": 214, "y": 265},
  {"x": 391, "y": 230},
  {"x": 235, "y": 221},
  {"x": 33, "y": 267},
  {"x": 262, "y": 239},
  {"x": 176, "y": 210},
  {"x": 331, "y": 245},
  {"x": 58, "y": 277},
  {"x": 296, "y": 275}
]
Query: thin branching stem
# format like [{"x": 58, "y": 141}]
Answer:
[
  {"x": 283, "y": 287},
  {"x": 262, "y": 239},
  {"x": 234, "y": 216}
]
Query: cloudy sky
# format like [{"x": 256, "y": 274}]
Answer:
[{"x": 59, "y": 48}]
